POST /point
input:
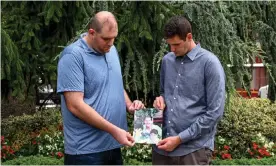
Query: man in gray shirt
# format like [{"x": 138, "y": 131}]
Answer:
[{"x": 192, "y": 87}]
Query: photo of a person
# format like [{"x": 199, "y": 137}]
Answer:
[
  {"x": 154, "y": 136},
  {"x": 145, "y": 129}
]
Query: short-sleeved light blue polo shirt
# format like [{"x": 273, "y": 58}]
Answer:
[{"x": 99, "y": 77}]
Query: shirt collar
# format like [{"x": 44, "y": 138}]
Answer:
[
  {"x": 193, "y": 52},
  {"x": 85, "y": 46}
]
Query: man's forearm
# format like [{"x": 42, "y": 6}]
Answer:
[{"x": 90, "y": 116}]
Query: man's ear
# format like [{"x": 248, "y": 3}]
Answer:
[
  {"x": 91, "y": 31},
  {"x": 189, "y": 36}
]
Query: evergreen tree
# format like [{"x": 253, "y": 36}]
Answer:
[{"x": 34, "y": 34}]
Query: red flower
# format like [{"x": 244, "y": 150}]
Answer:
[
  {"x": 255, "y": 146},
  {"x": 2, "y": 139},
  {"x": 34, "y": 142},
  {"x": 250, "y": 152},
  {"x": 226, "y": 147},
  {"x": 226, "y": 156},
  {"x": 4, "y": 147},
  {"x": 11, "y": 151},
  {"x": 59, "y": 154}
]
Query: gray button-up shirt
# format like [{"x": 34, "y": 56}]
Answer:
[{"x": 193, "y": 87}]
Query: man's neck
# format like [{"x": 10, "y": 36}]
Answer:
[{"x": 193, "y": 45}]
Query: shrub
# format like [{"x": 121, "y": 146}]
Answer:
[
  {"x": 243, "y": 119},
  {"x": 140, "y": 152},
  {"x": 136, "y": 162},
  {"x": 34, "y": 160},
  {"x": 7, "y": 151},
  {"x": 265, "y": 161},
  {"x": 20, "y": 130},
  {"x": 16, "y": 108}
]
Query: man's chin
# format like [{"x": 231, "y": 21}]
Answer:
[{"x": 107, "y": 50}]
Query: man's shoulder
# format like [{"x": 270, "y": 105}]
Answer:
[
  {"x": 208, "y": 56},
  {"x": 73, "y": 50},
  {"x": 169, "y": 56}
]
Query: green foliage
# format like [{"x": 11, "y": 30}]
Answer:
[
  {"x": 16, "y": 108},
  {"x": 40, "y": 160},
  {"x": 19, "y": 129},
  {"x": 140, "y": 35},
  {"x": 244, "y": 119},
  {"x": 138, "y": 152},
  {"x": 50, "y": 143},
  {"x": 34, "y": 33},
  {"x": 35, "y": 160},
  {"x": 136, "y": 162},
  {"x": 265, "y": 161}
]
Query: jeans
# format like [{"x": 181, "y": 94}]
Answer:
[{"x": 110, "y": 157}]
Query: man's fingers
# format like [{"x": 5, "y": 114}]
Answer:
[
  {"x": 154, "y": 104},
  {"x": 158, "y": 102},
  {"x": 162, "y": 103},
  {"x": 129, "y": 137},
  {"x": 163, "y": 141},
  {"x": 163, "y": 147},
  {"x": 138, "y": 105},
  {"x": 130, "y": 140}
]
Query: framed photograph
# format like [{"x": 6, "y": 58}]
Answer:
[{"x": 148, "y": 126}]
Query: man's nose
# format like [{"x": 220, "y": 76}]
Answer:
[
  {"x": 110, "y": 43},
  {"x": 172, "y": 49}
]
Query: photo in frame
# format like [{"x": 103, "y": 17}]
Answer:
[{"x": 148, "y": 126}]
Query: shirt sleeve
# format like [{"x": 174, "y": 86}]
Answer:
[
  {"x": 162, "y": 79},
  {"x": 215, "y": 98},
  {"x": 70, "y": 73}
]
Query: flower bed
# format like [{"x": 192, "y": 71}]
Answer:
[{"x": 248, "y": 130}]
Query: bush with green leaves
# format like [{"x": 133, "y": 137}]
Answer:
[
  {"x": 41, "y": 160},
  {"x": 244, "y": 161},
  {"x": 35, "y": 160},
  {"x": 140, "y": 152},
  {"x": 21, "y": 130},
  {"x": 245, "y": 118}
]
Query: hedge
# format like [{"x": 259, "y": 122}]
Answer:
[
  {"x": 264, "y": 161},
  {"x": 34, "y": 160},
  {"x": 244, "y": 119},
  {"x": 40, "y": 160}
]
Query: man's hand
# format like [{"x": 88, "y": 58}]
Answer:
[
  {"x": 159, "y": 103},
  {"x": 123, "y": 137},
  {"x": 169, "y": 144},
  {"x": 135, "y": 105}
]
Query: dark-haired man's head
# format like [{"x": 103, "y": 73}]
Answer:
[{"x": 178, "y": 34}]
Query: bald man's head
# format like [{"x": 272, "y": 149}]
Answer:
[{"x": 101, "y": 19}]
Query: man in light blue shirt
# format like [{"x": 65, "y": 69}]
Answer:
[
  {"x": 192, "y": 87},
  {"x": 93, "y": 100}
]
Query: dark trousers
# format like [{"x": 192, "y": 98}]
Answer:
[
  {"x": 199, "y": 157},
  {"x": 110, "y": 157}
]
